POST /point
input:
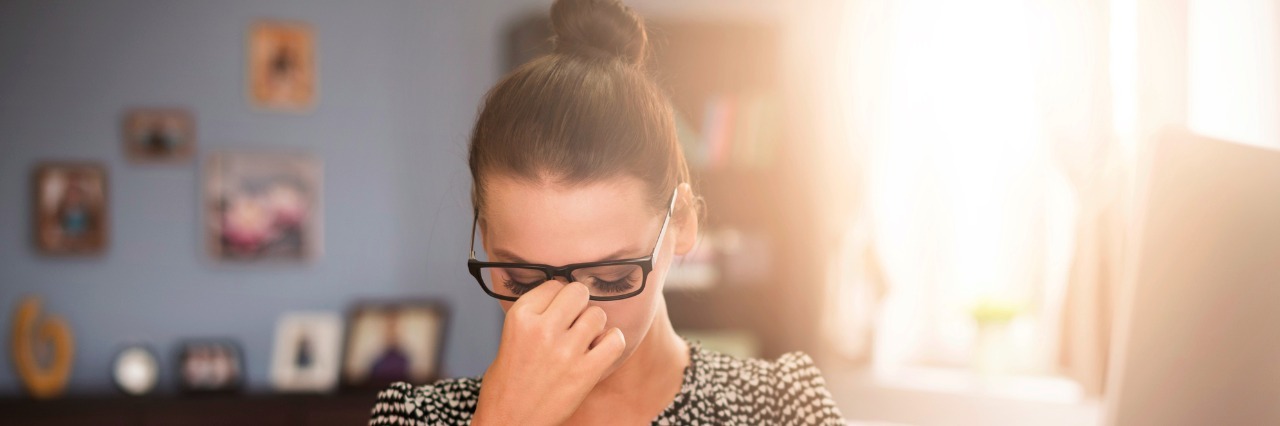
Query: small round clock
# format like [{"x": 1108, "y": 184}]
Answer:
[{"x": 136, "y": 370}]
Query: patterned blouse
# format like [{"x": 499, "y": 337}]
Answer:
[{"x": 718, "y": 389}]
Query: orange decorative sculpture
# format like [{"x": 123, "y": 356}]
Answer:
[{"x": 31, "y": 332}]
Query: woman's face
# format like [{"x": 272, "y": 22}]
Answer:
[{"x": 559, "y": 225}]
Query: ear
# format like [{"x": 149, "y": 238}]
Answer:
[{"x": 685, "y": 219}]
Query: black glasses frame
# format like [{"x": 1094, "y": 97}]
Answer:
[{"x": 566, "y": 271}]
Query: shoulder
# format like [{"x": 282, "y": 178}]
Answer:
[
  {"x": 787, "y": 390},
  {"x": 445, "y": 402},
  {"x": 791, "y": 370},
  {"x": 802, "y": 391}
]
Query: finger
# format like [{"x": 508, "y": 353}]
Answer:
[
  {"x": 607, "y": 349},
  {"x": 568, "y": 304},
  {"x": 589, "y": 325},
  {"x": 537, "y": 299}
]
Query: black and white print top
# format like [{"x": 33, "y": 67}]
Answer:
[{"x": 718, "y": 389}]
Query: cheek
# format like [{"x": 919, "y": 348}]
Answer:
[
  {"x": 658, "y": 277},
  {"x": 633, "y": 316}
]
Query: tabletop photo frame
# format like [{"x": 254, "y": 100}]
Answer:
[{"x": 394, "y": 341}]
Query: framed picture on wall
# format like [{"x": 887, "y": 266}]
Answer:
[
  {"x": 210, "y": 366},
  {"x": 281, "y": 66},
  {"x": 159, "y": 135},
  {"x": 263, "y": 206},
  {"x": 397, "y": 341},
  {"x": 70, "y": 208},
  {"x": 307, "y": 350}
]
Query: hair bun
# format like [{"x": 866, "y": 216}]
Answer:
[{"x": 598, "y": 28}]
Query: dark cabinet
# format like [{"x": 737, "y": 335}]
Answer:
[{"x": 314, "y": 410}]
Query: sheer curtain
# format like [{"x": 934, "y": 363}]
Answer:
[
  {"x": 984, "y": 140},
  {"x": 995, "y": 150}
]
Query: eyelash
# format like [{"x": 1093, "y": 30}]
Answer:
[
  {"x": 516, "y": 287},
  {"x": 611, "y": 287}
]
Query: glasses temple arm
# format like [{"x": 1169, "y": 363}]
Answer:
[
  {"x": 663, "y": 232},
  {"x": 474, "y": 218}
]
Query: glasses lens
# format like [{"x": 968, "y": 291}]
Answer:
[
  {"x": 512, "y": 282},
  {"x": 610, "y": 280}
]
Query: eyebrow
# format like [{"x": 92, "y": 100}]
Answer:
[{"x": 617, "y": 255}]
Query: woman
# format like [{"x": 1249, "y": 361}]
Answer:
[{"x": 575, "y": 163}]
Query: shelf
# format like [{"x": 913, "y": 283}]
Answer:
[{"x": 311, "y": 410}]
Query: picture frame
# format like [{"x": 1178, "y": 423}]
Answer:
[
  {"x": 158, "y": 135},
  {"x": 307, "y": 353},
  {"x": 70, "y": 208},
  {"x": 394, "y": 341},
  {"x": 281, "y": 66},
  {"x": 210, "y": 366},
  {"x": 263, "y": 206}
]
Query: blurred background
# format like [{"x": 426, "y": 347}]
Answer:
[{"x": 1049, "y": 212}]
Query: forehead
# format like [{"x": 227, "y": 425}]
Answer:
[{"x": 560, "y": 224}]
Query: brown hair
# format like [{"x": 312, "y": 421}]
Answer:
[{"x": 585, "y": 112}]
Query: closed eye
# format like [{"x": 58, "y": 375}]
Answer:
[
  {"x": 517, "y": 287},
  {"x": 612, "y": 286}
]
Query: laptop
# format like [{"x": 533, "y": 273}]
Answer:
[{"x": 1200, "y": 344}]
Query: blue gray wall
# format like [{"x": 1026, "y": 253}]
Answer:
[{"x": 399, "y": 82}]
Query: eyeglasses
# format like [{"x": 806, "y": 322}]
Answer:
[{"x": 606, "y": 280}]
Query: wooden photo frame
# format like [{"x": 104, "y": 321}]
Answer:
[
  {"x": 263, "y": 206},
  {"x": 159, "y": 135},
  {"x": 281, "y": 62},
  {"x": 70, "y": 208},
  {"x": 210, "y": 366},
  {"x": 394, "y": 341},
  {"x": 308, "y": 351}
]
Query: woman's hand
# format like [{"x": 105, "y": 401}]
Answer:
[{"x": 554, "y": 349}]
